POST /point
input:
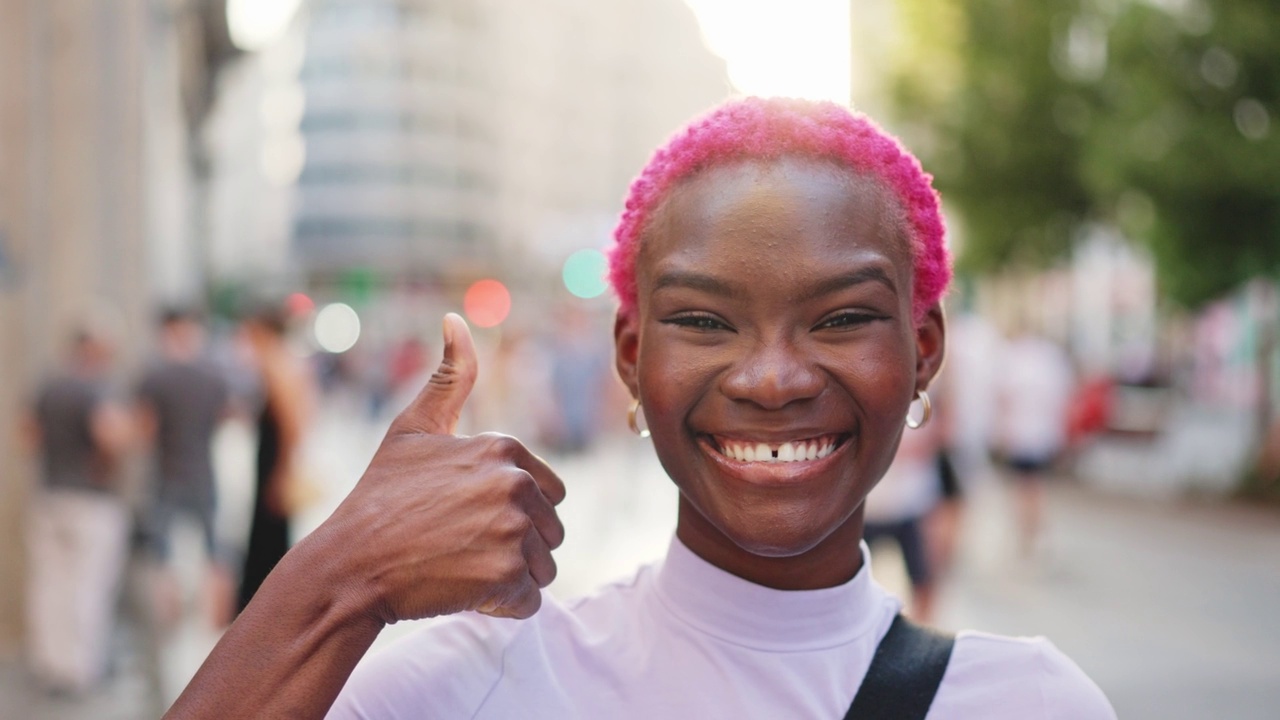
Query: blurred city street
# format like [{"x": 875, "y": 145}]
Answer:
[
  {"x": 229, "y": 230},
  {"x": 1168, "y": 606}
]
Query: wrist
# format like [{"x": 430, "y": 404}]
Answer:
[{"x": 327, "y": 563}]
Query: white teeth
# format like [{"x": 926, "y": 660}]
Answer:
[{"x": 786, "y": 452}]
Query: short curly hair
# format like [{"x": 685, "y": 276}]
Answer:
[{"x": 756, "y": 128}]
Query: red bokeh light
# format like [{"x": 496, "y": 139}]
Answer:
[
  {"x": 486, "y": 303},
  {"x": 299, "y": 304}
]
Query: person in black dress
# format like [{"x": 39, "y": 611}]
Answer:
[{"x": 286, "y": 393}]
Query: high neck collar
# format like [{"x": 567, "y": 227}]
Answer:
[{"x": 744, "y": 613}]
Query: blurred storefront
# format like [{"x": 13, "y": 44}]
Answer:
[
  {"x": 382, "y": 153},
  {"x": 1189, "y": 395},
  {"x": 450, "y": 141},
  {"x": 95, "y": 197}
]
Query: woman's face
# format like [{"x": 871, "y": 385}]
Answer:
[{"x": 775, "y": 356}]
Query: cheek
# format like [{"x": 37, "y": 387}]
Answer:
[
  {"x": 880, "y": 377},
  {"x": 669, "y": 380}
]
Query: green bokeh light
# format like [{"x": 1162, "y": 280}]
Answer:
[{"x": 584, "y": 273}]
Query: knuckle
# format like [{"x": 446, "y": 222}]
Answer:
[
  {"x": 514, "y": 525},
  {"x": 557, "y": 535},
  {"x": 531, "y": 604},
  {"x": 522, "y": 485},
  {"x": 511, "y": 569},
  {"x": 504, "y": 445},
  {"x": 551, "y": 571}
]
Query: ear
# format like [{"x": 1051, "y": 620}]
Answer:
[
  {"x": 626, "y": 344},
  {"x": 931, "y": 346}
]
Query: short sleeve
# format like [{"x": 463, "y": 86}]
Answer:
[
  {"x": 996, "y": 677},
  {"x": 1069, "y": 694}
]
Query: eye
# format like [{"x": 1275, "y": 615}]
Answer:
[
  {"x": 847, "y": 319},
  {"x": 701, "y": 322}
]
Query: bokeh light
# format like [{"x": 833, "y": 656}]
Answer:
[
  {"x": 486, "y": 303},
  {"x": 584, "y": 273},
  {"x": 299, "y": 304},
  {"x": 337, "y": 328}
]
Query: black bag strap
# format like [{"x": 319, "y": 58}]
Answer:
[{"x": 904, "y": 675}]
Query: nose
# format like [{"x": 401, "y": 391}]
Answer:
[{"x": 772, "y": 375}]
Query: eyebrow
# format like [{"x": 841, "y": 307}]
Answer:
[
  {"x": 715, "y": 286},
  {"x": 871, "y": 273},
  {"x": 693, "y": 281}
]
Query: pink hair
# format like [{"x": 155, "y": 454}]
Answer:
[{"x": 769, "y": 128}]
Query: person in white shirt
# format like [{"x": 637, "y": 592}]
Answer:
[
  {"x": 1035, "y": 391},
  {"x": 896, "y": 510},
  {"x": 779, "y": 268}
]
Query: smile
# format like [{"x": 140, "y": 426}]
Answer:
[{"x": 793, "y": 451}]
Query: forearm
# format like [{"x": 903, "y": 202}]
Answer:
[{"x": 290, "y": 652}]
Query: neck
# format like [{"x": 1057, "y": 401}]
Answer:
[{"x": 832, "y": 562}]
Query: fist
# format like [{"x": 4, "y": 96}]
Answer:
[{"x": 440, "y": 523}]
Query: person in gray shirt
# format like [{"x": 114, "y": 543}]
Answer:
[
  {"x": 182, "y": 397},
  {"x": 77, "y": 524}
]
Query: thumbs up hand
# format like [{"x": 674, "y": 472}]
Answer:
[{"x": 439, "y": 523}]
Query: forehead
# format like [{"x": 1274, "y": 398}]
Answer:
[{"x": 757, "y": 209}]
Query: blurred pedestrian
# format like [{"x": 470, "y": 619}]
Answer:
[
  {"x": 942, "y": 524},
  {"x": 287, "y": 397},
  {"x": 897, "y": 508},
  {"x": 182, "y": 397},
  {"x": 78, "y": 523},
  {"x": 1035, "y": 392},
  {"x": 579, "y": 371}
]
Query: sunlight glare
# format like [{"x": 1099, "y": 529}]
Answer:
[
  {"x": 798, "y": 48},
  {"x": 255, "y": 24}
]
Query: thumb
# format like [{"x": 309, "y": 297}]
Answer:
[{"x": 436, "y": 409}]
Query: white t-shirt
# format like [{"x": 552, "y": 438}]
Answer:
[
  {"x": 684, "y": 639},
  {"x": 910, "y": 487},
  {"x": 1036, "y": 386}
]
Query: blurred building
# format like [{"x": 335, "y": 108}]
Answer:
[
  {"x": 98, "y": 100},
  {"x": 254, "y": 155},
  {"x": 426, "y": 139},
  {"x": 449, "y": 138}
]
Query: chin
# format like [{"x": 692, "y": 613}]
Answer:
[{"x": 776, "y": 537}]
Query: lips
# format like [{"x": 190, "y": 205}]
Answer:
[{"x": 788, "y": 451}]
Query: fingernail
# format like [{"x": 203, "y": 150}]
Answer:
[{"x": 448, "y": 333}]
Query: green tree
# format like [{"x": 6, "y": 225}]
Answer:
[
  {"x": 1164, "y": 123},
  {"x": 1160, "y": 118},
  {"x": 997, "y": 148},
  {"x": 1182, "y": 149}
]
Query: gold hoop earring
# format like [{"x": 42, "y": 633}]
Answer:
[
  {"x": 924, "y": 417},
  {"x": 631, "y": 419}
]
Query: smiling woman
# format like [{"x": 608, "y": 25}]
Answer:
[
  {"x": 761, "y": 281},
  {"x": 779, "y": 269}
]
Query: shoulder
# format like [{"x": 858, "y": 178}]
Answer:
[
  {"x": 446, "y": 669},
  {"x": 451, "y": 667},
  {"x": 996, "y": 676}
]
